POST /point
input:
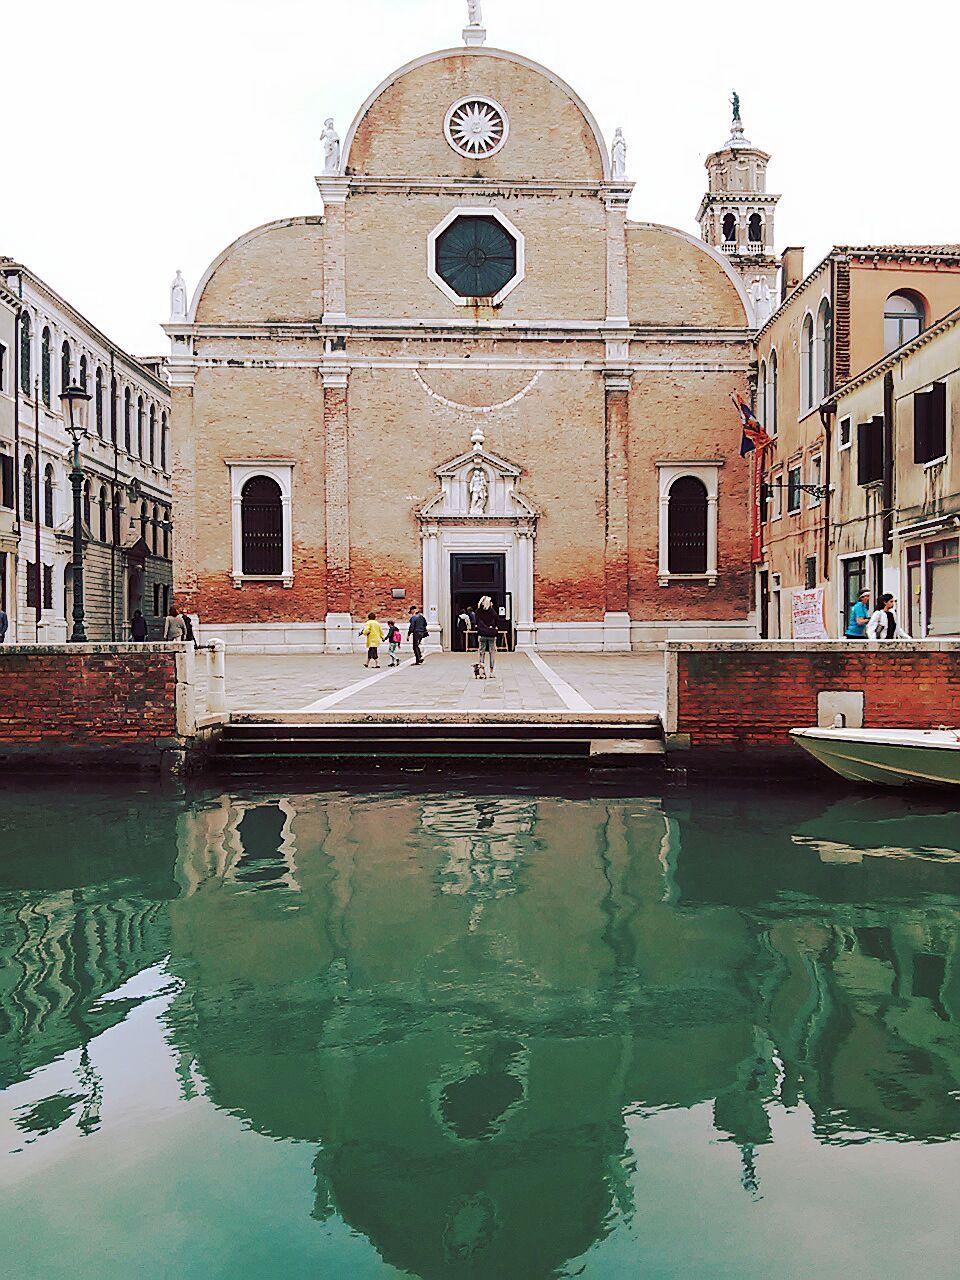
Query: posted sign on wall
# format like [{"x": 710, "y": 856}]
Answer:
[{"x": 808, "y": 615}]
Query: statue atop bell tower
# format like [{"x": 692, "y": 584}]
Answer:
[{"x": 736, "y": 214}]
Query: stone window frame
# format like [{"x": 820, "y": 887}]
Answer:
[
  {"x": 476, "y": 211},
  {"x": 279, "y": 470},
  {"x": 707, "y": 471}
]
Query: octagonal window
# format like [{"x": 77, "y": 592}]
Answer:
[{"x": 476, "y": 254}]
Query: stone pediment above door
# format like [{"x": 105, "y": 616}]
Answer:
[{"x": 478, "y": 485}]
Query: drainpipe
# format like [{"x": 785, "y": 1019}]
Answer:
[
  {"x": 113, "y": 499},
  {"x": 887, "y": 516},
  {"x": 15, "y": 602}
]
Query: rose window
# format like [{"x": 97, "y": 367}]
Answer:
[{"x": 476, "y": 127}]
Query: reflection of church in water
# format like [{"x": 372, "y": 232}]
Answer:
[{"x": 466, "y": 1002}]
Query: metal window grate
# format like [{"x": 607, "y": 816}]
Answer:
[{"x": 262, "y": 525}]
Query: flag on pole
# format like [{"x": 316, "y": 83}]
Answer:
[{"x": 754, "y": 436}]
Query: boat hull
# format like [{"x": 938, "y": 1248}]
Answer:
[{"x": 887, "y": 758}]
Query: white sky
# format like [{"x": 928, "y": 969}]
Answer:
[{"x": 195, "y": 120}]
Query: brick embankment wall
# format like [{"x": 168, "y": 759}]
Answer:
[
  {"x": 742, "y": 699},
  {"x": 94, "y": 703}
]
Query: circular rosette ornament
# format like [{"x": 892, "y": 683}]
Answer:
[{"x": 476, "y": 127}]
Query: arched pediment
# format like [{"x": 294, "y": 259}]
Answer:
[{"x": 478, "y": 485}]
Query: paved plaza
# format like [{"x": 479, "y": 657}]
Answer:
[{"x": 523, "y": 682}]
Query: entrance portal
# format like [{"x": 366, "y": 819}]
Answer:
[{"x": 473, "y": 576}]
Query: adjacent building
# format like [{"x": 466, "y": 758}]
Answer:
[
  {"x": 45, "y": 344},
  {"x": 828, "y": 493},
  {"x": 470, "y": 373}
]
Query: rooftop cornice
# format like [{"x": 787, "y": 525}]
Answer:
[
  {"x": 375, "y": 327},
  {"x": 417, "y": 184}
]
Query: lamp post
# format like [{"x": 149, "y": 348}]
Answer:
[{"x": 75, "y": 401}]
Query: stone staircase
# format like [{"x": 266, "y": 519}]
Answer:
[{"x": 597, "y": 739}]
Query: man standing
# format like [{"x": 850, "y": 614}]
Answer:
[
  {"x": 4, "y": 624},
  {"x": 859, "y": 617},
  {"x": 417, "y": 632}
]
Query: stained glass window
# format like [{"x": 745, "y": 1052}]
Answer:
[{"x": 476, "y": 257}]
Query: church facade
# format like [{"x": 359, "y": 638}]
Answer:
[{"x": 470, "y": 373}]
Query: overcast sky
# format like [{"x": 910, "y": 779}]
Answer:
[{"x": 188, "y": 122}]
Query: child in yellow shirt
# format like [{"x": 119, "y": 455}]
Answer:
[{"x": 373, "y": 633}]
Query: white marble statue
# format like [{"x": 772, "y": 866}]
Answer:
[
  {"x": 331, "y": 147},
  {"x": 178, "y": 298},
  {"x": 761, "y": 297},
  {"x": 474, "y": 16},
  {"x": 478, "y": 492},
  {"x": 618, "y": 155}
]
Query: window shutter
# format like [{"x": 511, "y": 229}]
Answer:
[
  {"x": 876, "y": 454},
  {"x": 921, "y": 427},
  {"x": 937, "y": 421},
  {"x": 863, "y": 452}
]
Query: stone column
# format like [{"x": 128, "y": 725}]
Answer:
[
  {"x": 182, "y": 461},
  {"x": 339, "y": 622},
  {"x": 616, "y": 621},
  {"x": 526, "y": 630}
]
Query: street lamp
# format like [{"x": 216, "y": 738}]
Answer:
[{"x": 75, "y": 401}]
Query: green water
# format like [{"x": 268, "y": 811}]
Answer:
[{"x": 477, "y": 1033}]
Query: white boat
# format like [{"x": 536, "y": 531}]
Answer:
[{"x": 889, "y": 757}]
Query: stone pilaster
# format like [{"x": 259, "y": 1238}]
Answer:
[
  {"x": 616, "y": 527},
  {"x": 334, "y": 191},
  {"x": 182, "y": 460},
  {"x": 337, "y": 508},
  {"x": 616, "y": 204}
]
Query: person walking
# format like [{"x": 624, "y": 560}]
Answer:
[
  {"x": 463, "y": 629},
  {"x": 174, "y": 627},
  {"x": 859, "y": 617},
  {"x": 394, "y": 640},
  {"x": 373, "y": 634},
  {"x": 4, "y": 625},
  {"x": 417, "y": 633},
  {"x": 138, "y": 626},
  {"x": 486, "y": 632},
  {"x": 883, "y": 624}
]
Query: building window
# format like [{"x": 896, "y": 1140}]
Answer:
[
  {"x": 772, "y": 392},
  {"x": 688, "y": 520},
  {"x": 933, "y": 588},
  {"x": 114, "y": 410},
  {"x": 163, "y": 441},
  {"x": 103, "y": 514},
  {"x": 475, "y": 253},
  {"x": 166, "y": 533},
  {"x": 28, "y": 483},
  {"x": 117, "y": 517},
  {"x": 844, "y": 437},
  {"x": 687, "y": 526},
  {"x": 48, "y": 496},
  {"x": 903, "y": 319},
  {"x": 793, "y": 490},
  {"x": 153, "y": 435},
  {"x": 139, "y": 426},
  {"x": 755, "y": 229},
  {"x": 776, "y": 495},
  {"x": 7, "y": 481},
  {"x": 3, "y": 367},
  {"x": 854, "y": 584},
  {"x": 823, "y": 343},
  {"x": 762, "y": 394},
  {"x": 262, "y": 533},
  {"x": 48, "y": 586},
  {"x": 816, "y": 478},
  {"x": 127, "y": 438},
  {"x": 26, "y": 361},
  {"x": 98, "y": 402},
  {"x": 66, "y": 364},
  {"x": 82, "y": 367},
  {"x": 87, "y": 503},
  {"x": 870, "y": 451},
  {"x": 31, "y": 572},
  {"x": 144, "y": 520},
  {"x": 155, "y": 531},
  {"x": 156, "y": 599},
  {"x": 262, "y": 517},
  {"x": 930, "y": 423},
  {"x": 729, "y": 228},
  {"x": 806, "y": 365},
  {"x": 810, "y": 573},
  {"x": 45, "y": 357}
]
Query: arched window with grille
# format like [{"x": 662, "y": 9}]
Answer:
[
  {"x": 28, "y": 488},
  {"x": 772, "y": 393},
  {"x": 117, "y": 517},
  {"x": 45, "y": 358},
  {"x": 66, "y": 365},
  {"x": 48, "y": 496},
  {"x": 163, "y": 441},
  {"x": 261, "y": 516},
  {"x": 26, "y": 355},
  {"x": 82, "y": 372},
  {"x": 687, "y": 526},
  {"x": 114, "y": 410},
  {"x": 127, "y": 440},
  {"x": 104, "y": 506},
  {"x": 823, "y": 343},
  {"x": 152, "y": 440},
  {"x": 155, "y": 531},
  {"x": 144, "y": 520},
  {"x": 139, "y": 426},
  {"x": 98, "y": 401},
  {"x": 903, "y": 319},
  {"x": 755, "y": 229},
  {"x": 87, "y": 503},
  {"x": 806, "y": 364}
]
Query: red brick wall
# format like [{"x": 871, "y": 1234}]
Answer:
[
  {"x": 740, "y": 696},
  {"x": 101, "y": 697}
]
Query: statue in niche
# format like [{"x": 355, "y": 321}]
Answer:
[
  {"x": 178, "y": 298},
  {"x": 474, "y": 16},
  {"x": 331, "y": 147},
  {"x": 478, "y": 492},
  {"x": 618, "y": 154}
]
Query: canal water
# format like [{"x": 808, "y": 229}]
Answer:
[{"x": 473, "y": 1032}]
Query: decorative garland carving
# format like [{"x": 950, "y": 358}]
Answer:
[{"x": 472, "y": 408}]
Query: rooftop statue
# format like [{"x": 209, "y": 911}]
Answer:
[
  {"x": 178, "y": 298},
  {"x": 331, "y": 147},
  {"x": 735, "y": 103},
  {"x": 474, "y": 14},
  {"x": 618, "y": 155}
]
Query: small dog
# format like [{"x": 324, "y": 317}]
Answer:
[{"x": 479, "y": 671}]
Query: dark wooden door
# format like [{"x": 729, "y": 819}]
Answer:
[{"x": 473, "y": 576}]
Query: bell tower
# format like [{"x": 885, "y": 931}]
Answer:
[{"x": 736, "y": 215}]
